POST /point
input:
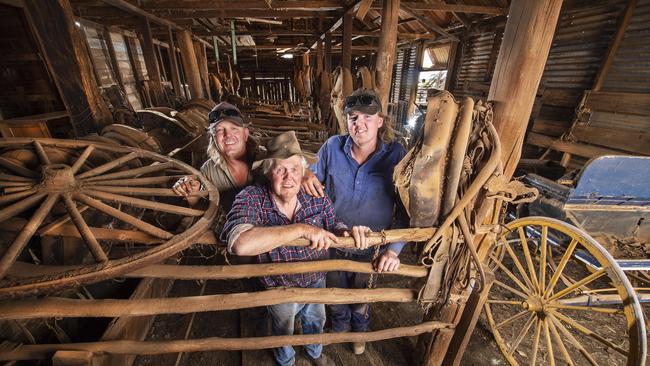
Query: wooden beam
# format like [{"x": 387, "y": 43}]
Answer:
[
  {"x": 312, "y": 5},
  {"x": 202, "y": 60},
  {"x": 456, "y": 8},
  {"x": 72, "y": 358},
  {"x": 190, "y": 64},
  {"x": 71, "y": 308},
  {"x": 40, "y": 351},
  {"x": 427, "y": 23},
  {"x": 451, "y": 64},
  {"x": 386, "y": 51},
  {"x": 419, "y": 57},
  {"x": 363, "y": 9},
  {"x": 574, "y": 148},
  {"x": 614, "y": 45},
  {"x": 69, "y": 64},
  {"x": 525, "y": 47},
  {"x": 352, "y": 8},
  {"x": 115, "y": 66},
  {"x": 346, "y": 53},
  {"x": 248, "y": 13},
  {"x": 327, "y": 62}
]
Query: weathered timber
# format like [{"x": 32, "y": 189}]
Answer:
[
  {"x": 346, "y": 52},
  {"x": 151, "y": 62},
  {"x": 20, "y": 269},
  {"x": 67, "y": 308},
  {"x": 202, "y": 60},
  {"x": 427, "y": 23},
  {"x": 525, "y": 47},
  {"x": 173, "y": 61},
  {"x": 69, "y": 64},
  {"x": 574, "y": 148},
  {"x": 386, "y": 50},
  {"x": 190, "y": 64},
  {"x": 26, "y": 352}
]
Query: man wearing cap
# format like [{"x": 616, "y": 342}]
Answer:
[
  {"x": 231, "y": 153},
  {"x": 264, "y": 217},
  {"x": 356, "y": 172}
]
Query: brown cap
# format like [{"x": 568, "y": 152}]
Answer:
[
  {"x": 225, "y": 111},
  {"x": 362, "y": 100},
  {"x": 284, "y": 146}
]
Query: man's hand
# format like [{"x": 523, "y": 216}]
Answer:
[
  {"x": 185, "y": 186},
  {"x": 320, "y": 239},
  {"x": 360, "y": 235},
  {"x": 388, "y": 262},
  {"x": 311, "y": 185}
]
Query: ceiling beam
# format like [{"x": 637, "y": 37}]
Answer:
[
  {"x": 352, "y": 8},
  {"x": 426, "y": 22},
  {"x": 130, "y": 8},
  {"x": 239, "y": 13},
  {"x": 317, "y": 5},
  {"x": 456, "y": 8}
]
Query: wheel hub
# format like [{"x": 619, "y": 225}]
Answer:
[
  {"x": 58, "y": 178},
  {"x": 534, "y": 304}
]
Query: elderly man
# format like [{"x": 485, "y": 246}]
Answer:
[
  {"x": 231, "y": 154},
  {"x": 264, "y": 217},
  {"x": 356, "y": 171}
]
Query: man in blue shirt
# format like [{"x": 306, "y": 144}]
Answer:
[{"x": 356, "y": 172}]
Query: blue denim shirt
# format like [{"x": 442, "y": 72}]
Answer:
[{"x": 362, "y": 194}]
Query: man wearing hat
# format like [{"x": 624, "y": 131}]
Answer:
[
  {"x": 231, "y": 153},
  {"x": 356, "y": 172},
  {"x": 266, "y": 216}
]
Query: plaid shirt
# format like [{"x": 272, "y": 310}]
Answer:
[{"x": 254, "y": 206}]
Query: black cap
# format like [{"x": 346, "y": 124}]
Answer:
[{"x": 362, "y": 100}]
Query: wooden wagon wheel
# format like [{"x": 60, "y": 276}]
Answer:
[
  {"x": 62, "y": 198},
  {"x": 553, "y": 313}
]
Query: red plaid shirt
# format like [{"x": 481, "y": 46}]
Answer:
[{"x": 254, "y": 206}]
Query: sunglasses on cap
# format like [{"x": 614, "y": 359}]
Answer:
[
  {"x": 360, "y": 100},
  {"x": 214, "y": 116}
]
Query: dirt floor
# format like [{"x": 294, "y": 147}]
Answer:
[{"x": 400, "y": 351}]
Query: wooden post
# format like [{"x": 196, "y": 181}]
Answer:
[
  {"x": 327, "y": 62},
  {"x": 151, "y": 62},
  {"x": 415, "y": 79},
  {"x": 451, "y": 64},
  {"x": 137, "y": 70},
  {"x": 346, "y": 53},
  {"x": 202, "y": 60},
  {"x": 525, "y": 47},
  {"x": 386, "y": 51},
  {"x": 176, "y": 78},
  {"x": 69, "y": 64},
  {"x": 190, "y": 64}
]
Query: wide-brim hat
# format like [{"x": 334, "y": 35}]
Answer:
[
  {"x": 362, "y": 100},
  {"x": 225, "y": 111},
  {"x": 284, "y": 146}
]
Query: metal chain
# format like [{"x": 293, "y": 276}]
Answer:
[{"x": 373, "y": 276}]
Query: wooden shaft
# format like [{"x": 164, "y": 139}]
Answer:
[
  {"x": 71, "y": 308},
  {"x": 21, "y": 270},
  {"x": 42, "y": 351},
  {"x": 173, "y": 61},
  {"x": 190, "y": 64},
  {"x": 155, "y": 167}
]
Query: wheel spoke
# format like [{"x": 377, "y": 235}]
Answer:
[
  {"x": 20, "y": 206},
  {"x": 84, "y": 230},
  {"x": 108, "y": 166},
  {"x": 542, "y": 260},
  {"x": 522, "y": 333},
  {"x": 511, "y": 275},
  {"x": 560, "y": 267},
  {"x": 557, "y": 305},
  {"x": 519, "y": 266},
  {"x": 15, "y": 178},
  {"x": 143, "y": 191},
  {"x": 512, "y": 319},
  {"x": 140, "y": 203},
  {"x": 16, "y": 196},
  {"x": 549, "y": 344},
  {"x": 4, "y": 184},
  {"x": 538, "y": 332},
  {"x": 8, "y": 164},
  {"x": 559, "y": 342},
  {"x": 12, "y": 252},
  {"x": 504, "y": 302},
  {"x": 529, "y": 261},
  {"x": 148, "y": 228},
  {"x": 155, "y": 167},
  {"x": 41, "y": 153},
  {"x": 573, "y": 340},
  {"x": 586, "y": 331},
  {"x": 516, "y": 292},
  {"x": 139, "y": 181},
  {"x": 592, "y": 277},
  {"x": 82, "y": 158},
  {"x": 45, "y": 230}
]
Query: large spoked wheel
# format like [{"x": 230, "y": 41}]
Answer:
[
  {"x": 109, "y": 196},
  {"x": 560, "y": 298}
]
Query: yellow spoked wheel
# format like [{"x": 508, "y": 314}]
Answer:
[{"x": 560, "y": 298}]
